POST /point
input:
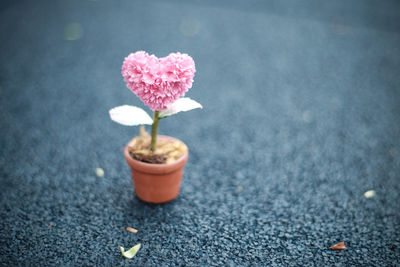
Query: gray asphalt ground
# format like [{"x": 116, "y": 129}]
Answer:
[{"x": 301, "y": 117}]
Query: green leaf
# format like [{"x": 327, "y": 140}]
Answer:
[{"x": 130, "y": 253}]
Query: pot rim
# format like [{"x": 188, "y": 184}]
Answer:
[{"x": 153, "y": 168}]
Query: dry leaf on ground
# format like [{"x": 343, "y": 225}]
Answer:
[
  {"x": 132, "y": 230},
  {"x": 338, "y": 246},
  {"x": 130, "y": 253}
]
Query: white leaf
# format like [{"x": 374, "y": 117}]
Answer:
[
  {"x": 182, "y": 104},
  {"x": 130, "y": 116}
]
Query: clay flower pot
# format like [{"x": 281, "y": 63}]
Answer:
[{"x": 156, "y": 183}]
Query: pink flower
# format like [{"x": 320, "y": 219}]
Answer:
[{"x": 158, "y": 82}]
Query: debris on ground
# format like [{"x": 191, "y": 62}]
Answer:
[
  {"x": 338, "y": 246},
  {"x": 99, "y": 172},
  {"x": 131, "y": 252},
  {"x": 370, "y": 194},
  {"x": 132, "y": 230}
]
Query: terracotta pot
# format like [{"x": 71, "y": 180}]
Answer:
[{"x": 156, "y": 183}]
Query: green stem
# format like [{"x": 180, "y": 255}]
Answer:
[{"x": 154, "y": 129}]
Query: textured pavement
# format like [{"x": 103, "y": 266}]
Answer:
[{"x": 301, "y": 117}]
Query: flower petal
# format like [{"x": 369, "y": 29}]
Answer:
[
  {"x": 158, "y": 82},
  {"x": 182, "y": 104},
  {"x": 130, "y": 116}
]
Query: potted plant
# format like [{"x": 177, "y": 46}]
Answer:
[{"x": 156, "y": 161}]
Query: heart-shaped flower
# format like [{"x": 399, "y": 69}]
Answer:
[{"x": 158, "y": 82}]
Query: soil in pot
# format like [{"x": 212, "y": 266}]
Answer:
[{"x": 167, "y": 150}]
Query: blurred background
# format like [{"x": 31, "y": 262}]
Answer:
[{"x": 301, "y": 117}]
